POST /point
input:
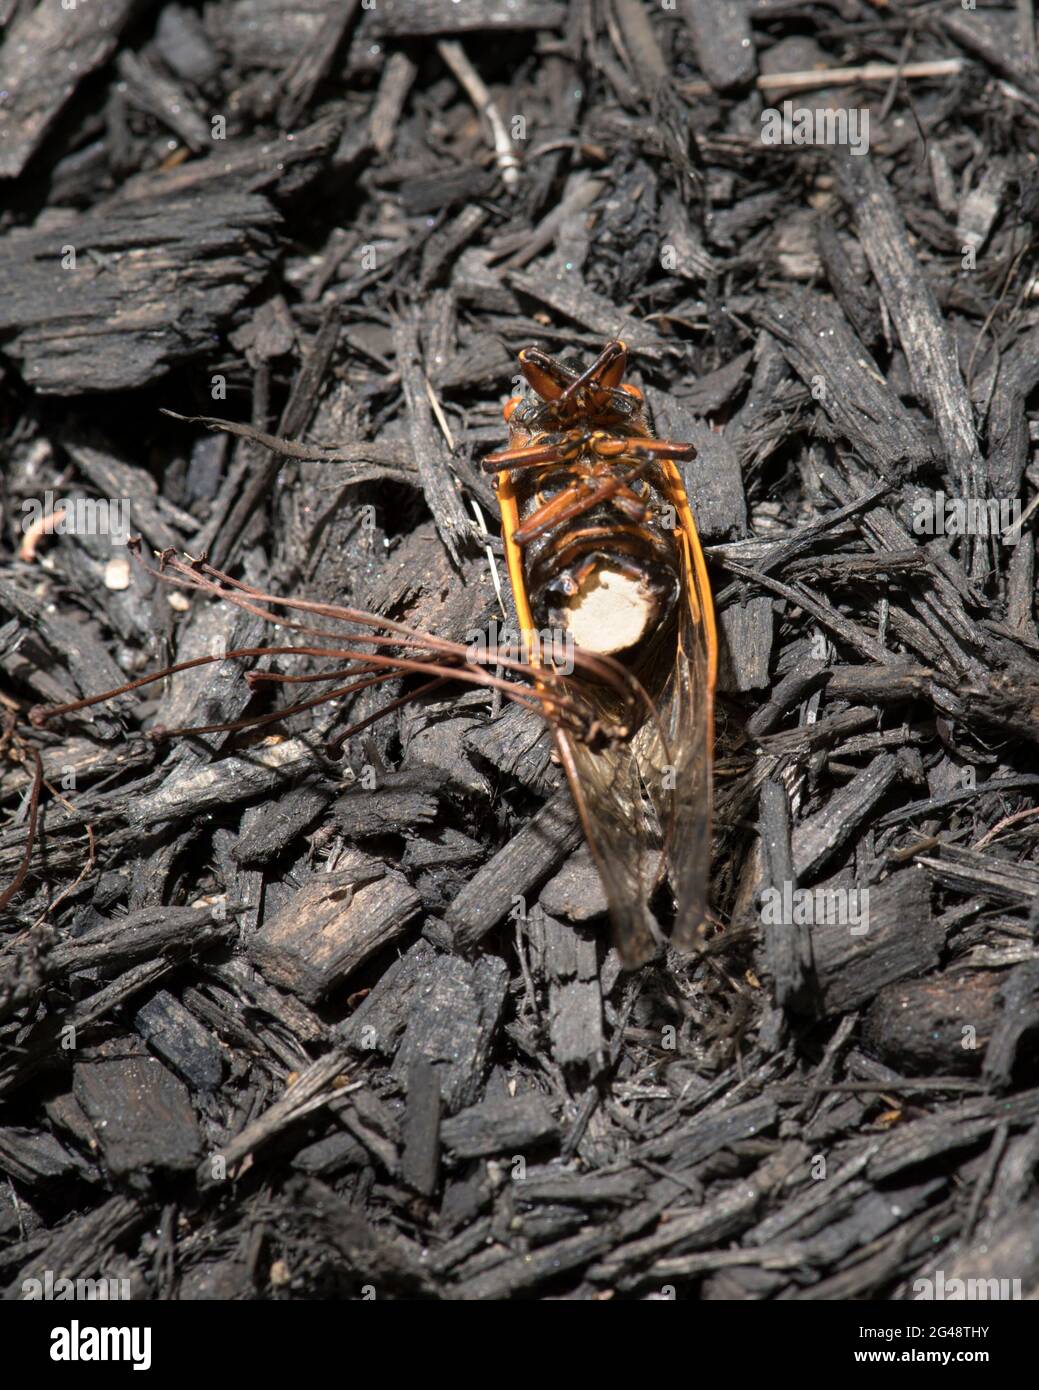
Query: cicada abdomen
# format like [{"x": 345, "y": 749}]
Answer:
[{"x": 602, "y": 549}]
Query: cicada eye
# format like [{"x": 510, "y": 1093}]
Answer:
[
  {"x": 510, "y": 406},
  {"x": 630, "y": 390}
]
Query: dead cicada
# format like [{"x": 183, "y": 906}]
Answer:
[{"x": 601, "y": 545}]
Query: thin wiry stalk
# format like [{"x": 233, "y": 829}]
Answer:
[{"x": 536, "y": 688}]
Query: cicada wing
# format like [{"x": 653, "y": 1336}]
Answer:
[
  {"x": 621, "y": 833},
  {"x": 675, "y": 750},
  {"x": 674, "y": 757}
]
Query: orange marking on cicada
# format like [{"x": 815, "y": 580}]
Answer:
[
  {"x": 534, "y": 455},
  {"x": 656, "y": 448},
  {"x": 581, "y": 497},
  {"x": 543, "y": 374},
  {"x": 605, "y": 372},
  {"x": 527, "y": 457},
  {"x": 575, "y": 500},
  {"x": 623, "y": 498}
]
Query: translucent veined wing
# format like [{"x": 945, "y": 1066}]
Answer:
[
  {"x": 621, "y": 830},
  {"x": 675, "y": 750}
]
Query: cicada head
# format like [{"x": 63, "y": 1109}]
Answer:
[{"x": 562, "y": 394}]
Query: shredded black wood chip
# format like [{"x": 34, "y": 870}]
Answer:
[{"x": 286, "y": 1014}]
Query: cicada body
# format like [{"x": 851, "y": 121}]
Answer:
[{"x": 602, "y": 547}]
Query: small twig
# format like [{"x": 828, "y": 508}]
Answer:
[
  {"x": 453, "y": 55},
  {"x": 438, "y": 411},
  {"x": 836, "y": 77},
  {"x": 1005, "y": 824},
  {"x": 42, "y": 526},
  {"x": 495, "y": 576}
]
